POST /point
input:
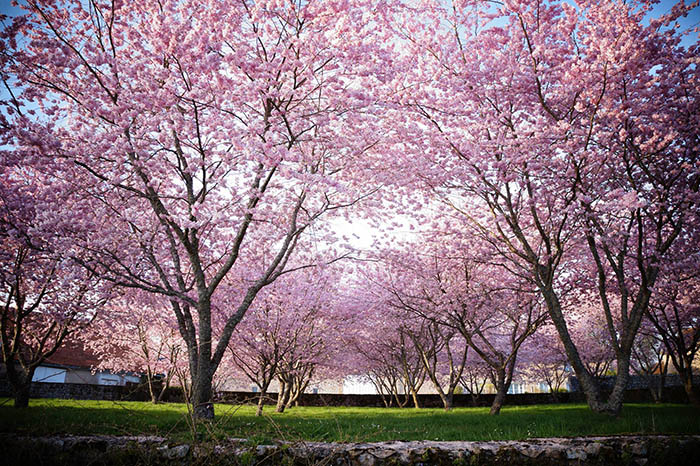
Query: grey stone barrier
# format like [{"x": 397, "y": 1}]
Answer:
[{"x": 111, "y": 450}]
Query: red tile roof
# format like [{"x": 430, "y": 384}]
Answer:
[{"x": 73, "y": 353}]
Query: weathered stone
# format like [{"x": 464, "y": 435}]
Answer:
[
  {"x": 635, "y": 450},
  {"x": 576, "y": 454},
  {"x": 532, "y": 451},
  {"x": 366, "y": 459},
  {"x": 593, "y": 449},
  {"x": 639, "y": 449},
  {"x": 177, "y": 452}
]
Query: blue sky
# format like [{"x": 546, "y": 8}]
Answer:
[{"x": 692, "y": 21}]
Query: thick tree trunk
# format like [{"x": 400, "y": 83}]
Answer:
[
  {"x": 21, "y": 383},
  {"x": 203, "y": 369},
  {"x": 589, "y": 385},
  {"x": 21, "y": 393},
  {"x": 689, "y": 389},
  {"x": 202, "y": 403},
  {"x": 501, "y": 390},
  {"x": 613, "y": 405},
  {"x": 447, "y": 400},
  {"x": 498, "y": 402}
]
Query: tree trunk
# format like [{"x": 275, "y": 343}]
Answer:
[
  {"x": 447, "y": 400},
  {"x": 21, "y": 393},
  {"x": 589, "y": 385},
  {"x": 414, "y": 396},
  {"x": 151, "y": 388},
  {"x": 501, "y": 390},
  {"x": 553, "y": 391},
  {"x": 688, "y": 386},
  {"x": 656, "y": 386},
  {"x": 163, "y": 388},
  {"x": 261, "y": 400},
  {"x": 497, "y": 402},
  {"x": 283, "y": 397},
  {"x": 21, "y": 382},
  {"x": 202, "y": 404}
]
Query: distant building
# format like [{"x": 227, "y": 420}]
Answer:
[{"x": 72, "y": 363}]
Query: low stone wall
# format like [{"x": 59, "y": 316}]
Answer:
[
  {"x": 136, "y": 392},
  {"x": 82, "y": 391},
  {"x": 104, "y": 450}
]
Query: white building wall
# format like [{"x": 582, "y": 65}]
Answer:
[{"x": 49, "y": 375}]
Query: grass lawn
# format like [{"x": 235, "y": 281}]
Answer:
[{"x": 344, "y": 424}]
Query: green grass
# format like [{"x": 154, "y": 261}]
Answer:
[{"x": 345, "y": 424}]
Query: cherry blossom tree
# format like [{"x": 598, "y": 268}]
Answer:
[
  {"x": 440, "y": 348},
  {"x": 674, "y": 315},
  {"x": 384, "y": 353},
  {"x": 288, "y": 334},
  {"x": 205, "y": 130},
  {"x": 564, "y": 135},
  {"x": 448, "y": 295},
  {"x": 474, "y": 377},
  {"x": 46, "y": 296},
  {"x": 443, "y": 354},
  {"x": 138, "y": 334},
  {"x": 544, "y": 360},
  {"x": 649, "y": 360}
]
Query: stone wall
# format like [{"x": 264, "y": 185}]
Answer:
[
  {"x": 106, "y": 450},
  {"x": 81, "y": 391},
  {"x": 639, "y": 382},
  {"x": 136, "y": 392}
]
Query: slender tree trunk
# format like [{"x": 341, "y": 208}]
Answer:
[
  {"x": 283, "y": 399},
  {"x": 414, "y": 396},
  {"x": 151, "y": 388},
  {"x": 553, "y": 392},
  {"x": 280, "y": 396},
  {"x": 656, "y": 386},
  {"x": 446, "y": 398},
  {"x": 161, "y": 392},
  {"x": 261, "y": 400}
]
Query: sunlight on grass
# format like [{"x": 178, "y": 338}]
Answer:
[{"x": 344, "y": 424}]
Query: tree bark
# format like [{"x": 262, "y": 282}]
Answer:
[
  {"x": 589, "y": 385},
  {"x": 414, "y": 396},
  {"x": 283, "y": 397},
  {"x": 447, "y": 400},
  {"x": 501, "y": 390},
  {"x": 21, "y": 393},
  {"x": 689, "y": 389},
  {"x": 20, "y": 379},
  {"x": 261, "y": 401},
  {"x": 151, "y": 388},
  {"x": 202, "y": 404}
]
